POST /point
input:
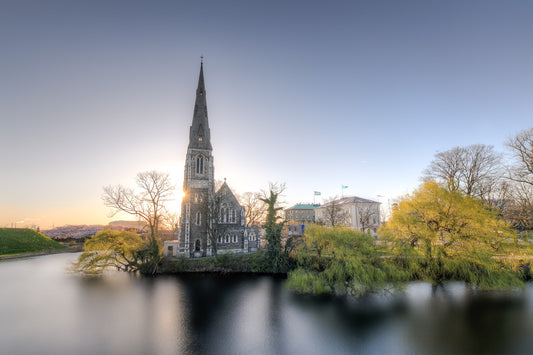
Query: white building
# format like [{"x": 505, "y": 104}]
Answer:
[{"x": 354, "y": 212}]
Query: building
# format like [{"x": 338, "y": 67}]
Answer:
[
  {"x": 210, "y": 222},
  {"x": 354, "y": 212},
  {"x": 297, "y": 217},
  {"x": 301, "y": 212}
]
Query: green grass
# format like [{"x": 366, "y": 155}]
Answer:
[{"x": 19, "y": 241}]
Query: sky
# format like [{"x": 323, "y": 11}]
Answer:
[{"x": 315, "y": 94}]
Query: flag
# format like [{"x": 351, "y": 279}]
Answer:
[
  {"x": 344, "y": 186},
  {"x": 317, "y": 193},
  {"x": 380, "y": 195}
]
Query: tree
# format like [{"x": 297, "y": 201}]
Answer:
[
  {"x": 442, "y": 234},
  {"x": 334, "y": 213},
  {"x": 474, "y": 170},
  {"x": 212, "y": 214},
  {"x": 147, "y": 203},
  {"x": 368, "y": 216},
  {"x": 255, "y": 209},
  {"x": 124, "y": 251},
  {"x": 518, "y": 208},
  {"x": 340, "y": 260},
  {"x": 276, "y": 258},
  {"x": 521, "y": 147}
]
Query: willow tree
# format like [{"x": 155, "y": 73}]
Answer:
[
  {"x": 124, "y": 251},
  {"x": 341, "y": 260},
  {"x": 439, "y": 234}
]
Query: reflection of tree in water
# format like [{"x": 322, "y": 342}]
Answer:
[
  {"x": 468, "y": 322},
  {"x": 353, "y": 319},
  {"x": 275, "y": 322}
]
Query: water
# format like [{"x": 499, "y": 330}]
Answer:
[{"x": 46, "y": 310}]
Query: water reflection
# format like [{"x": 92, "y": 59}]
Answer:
[{"x": 45, "y": 310}]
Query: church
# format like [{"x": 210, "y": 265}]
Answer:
[{"x": 211, "y": 222}]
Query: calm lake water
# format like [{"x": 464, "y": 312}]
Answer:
[{"x": 46, "y": 310}]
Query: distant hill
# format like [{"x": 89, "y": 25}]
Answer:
[
  {"x": 128, "y": 224},
  {"x": 18, "y": 241}
]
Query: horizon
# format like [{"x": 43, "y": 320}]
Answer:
[{"x": 313, "y": 95}]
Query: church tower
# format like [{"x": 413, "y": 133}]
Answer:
[{"x": 198, "y": 182}]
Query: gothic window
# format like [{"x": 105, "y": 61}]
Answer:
[
  {"x": 235, "y": 238},
  {"x": 198, "y": 218},
  {"x": 200, "y": 164},
  {"x": 196, "y": 198},
  {"x": 252, "y": 236},
  {"x": 197, "y": 245},
  {"x": 232, "y": 215},
  {"x": 224, "y": 213}
]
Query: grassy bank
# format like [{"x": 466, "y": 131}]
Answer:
[
  {"x": 223, "y": 264},
  {"x": 23, "y": 241}
]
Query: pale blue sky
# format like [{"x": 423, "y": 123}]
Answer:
[{"x": 314, "y": 94}]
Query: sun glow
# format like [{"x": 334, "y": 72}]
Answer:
[{"x": 174, "y": 206}]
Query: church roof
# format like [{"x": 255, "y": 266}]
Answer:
[
  {"x": 200, "y": 135},
  {"x": 227, "y": 193}
]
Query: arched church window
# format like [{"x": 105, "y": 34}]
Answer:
[
  {"x": 197, "y": 245},
  {"x": 224, "y": 213},
  {"x": 230, "y": 215},
  {"x": 198, "y": 218},
  {"x": 200, "y": 164}
]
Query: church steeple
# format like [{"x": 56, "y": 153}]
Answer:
[{"x": 199, "y": 136}]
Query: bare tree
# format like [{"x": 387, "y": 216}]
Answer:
[
  {"x": 212, "y": 214},
  {"x": 476, "y": 170},
  {"x": 521, "y": 147},
  {"x": 518, "y": 209},
  {"x": 276, "y": 188},
  {"x": 147, "y": 203},
  {"x": 446, "y": 166},
  {"x": 368, "y": 215},
  {"x": 334, "y": 213},
  {"x": 255, "y": 209}
]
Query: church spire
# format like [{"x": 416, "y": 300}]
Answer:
[{"x": 199, "y": 136}]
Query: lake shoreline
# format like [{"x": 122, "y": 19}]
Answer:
[{"x": 74, "y": 249}]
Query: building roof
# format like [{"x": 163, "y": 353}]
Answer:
[
  {"x": 225, "y": 191},
  {"x": 303, "y": 206},
  {"x": 348, "y": 200}
]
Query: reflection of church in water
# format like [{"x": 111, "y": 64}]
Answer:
[{"x": 210, "y": 221}]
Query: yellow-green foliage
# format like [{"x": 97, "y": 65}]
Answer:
[
  {"x": 340, "y": 260},
  {"x": 19, "y": 240},
  {"x": 438, "y": 234},
  {"x": 109, "y": 248}
]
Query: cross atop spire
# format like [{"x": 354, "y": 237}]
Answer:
[{"x": 199, "y": 135}]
